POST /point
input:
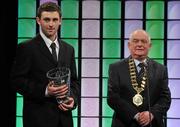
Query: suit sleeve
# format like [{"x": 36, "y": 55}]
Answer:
[
  {"x": 163, "y": 103},
  {"x": 123, "y": 108},
  {"x": 20, "y": 77},
  {"x": 75, "y": 87}
]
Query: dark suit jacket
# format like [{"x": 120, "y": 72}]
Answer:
[
  {"x": 28, "y": 77},
  {"x": 121, "y": 92}
]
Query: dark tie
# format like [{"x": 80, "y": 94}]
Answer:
[
  {"x": 141, "y": 73},
  {"x": 53, "y": 47}
]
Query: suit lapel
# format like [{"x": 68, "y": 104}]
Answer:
[
  {"x": 61, "y": 54},
  {"x": 44, "y": 49},
  {"x": 150, "y": 70}
]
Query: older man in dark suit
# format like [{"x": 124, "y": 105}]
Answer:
[
  {"x": 138, "y": 89},
  {"x": 33, "y": 60}
]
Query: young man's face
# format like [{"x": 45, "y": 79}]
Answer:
[{"x": 49, "y": 22}]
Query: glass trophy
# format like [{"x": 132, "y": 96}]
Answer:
[{"x": 60, "y": 76}]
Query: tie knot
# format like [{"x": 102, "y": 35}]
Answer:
[
  {"x": 141, "y": 65},
  {"x": 53, "y": 45}
]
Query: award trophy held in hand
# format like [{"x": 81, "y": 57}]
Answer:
[{"x": 60, "y": 76}]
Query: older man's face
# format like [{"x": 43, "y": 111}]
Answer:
[{"x": 139, "y": 45}]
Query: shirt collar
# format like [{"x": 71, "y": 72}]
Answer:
[
  {"x": 47, "y": 40},
  {"x": 137, "y": 61}
]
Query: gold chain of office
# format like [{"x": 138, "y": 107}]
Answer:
[{"x": 137, "y": 99}]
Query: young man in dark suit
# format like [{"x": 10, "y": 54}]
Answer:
[
  {"x": 32, "y": 62},
  {"x": 138, "y": 89}
]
